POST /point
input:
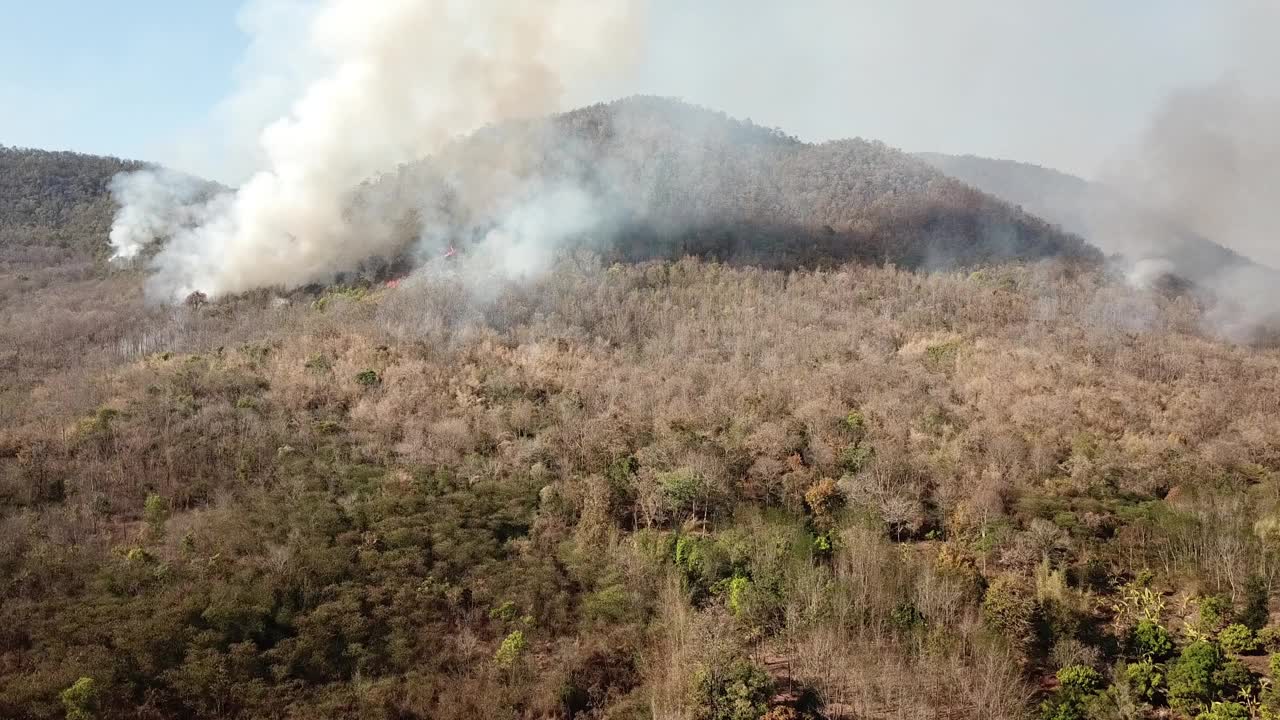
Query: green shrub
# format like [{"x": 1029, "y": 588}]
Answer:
[
  {"x": 1077, "y": 685},
  {"x": 155, "y": 512},
  {"x": 1150, "y": 640},
  {"x": 1147, "y": 680},
  {"x": 736, "y": 596},
  {"x": 1237, "y": 639},
  {"x": 510, "y": 650},
  {"x": 1079, "y": 679},
  {"x": 856, "y": 423},
  {"x": 611, "y": 605},
  {"x": 683, "y": 489},
  {"x": 1194, "y": 677},
  {"x": 907, "y": 616},
  {"x": 942, "y": 356},
  {"x": 823, "y": 545},
  {"x": 855, "y": 457},
  {"x": 740, "y": 692},
  {"x": 1235, "y": 679},
  {"x": 1274, "y": 664},
  {"x": 368, "y": 378},
  {"x": 506, "y": 612},
  {"x": 1225, "y": 711},
  {"x": 138, "y": 556},
  {"x": 1269, "y": 638},
  {"x": 1214, "y": 614},
  {"x": 1009, "y": 609},
  {"x": 80, "y": 700}
]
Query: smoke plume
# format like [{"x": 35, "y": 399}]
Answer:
[
  {"x": 1209, "y": 163},
  {"x": 397, "y": 79}
]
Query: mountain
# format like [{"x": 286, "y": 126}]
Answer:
[
  {"x": 1105, "y": 216},
  {"x": 667, "y": 178}
]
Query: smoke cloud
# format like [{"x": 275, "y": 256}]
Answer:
[
  {"x": 395, "y": 80},
  {"x": 157, "y": 203},
  {"x": 1208, "y": 164}
]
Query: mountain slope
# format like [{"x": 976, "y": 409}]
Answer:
[
  {"x": 1097, "y": 212},
  {"x": 666, "y": 178},
  {"x": 662, "y": 178},
  {"x": 54, "y": 205}
]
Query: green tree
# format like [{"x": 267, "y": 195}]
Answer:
[
  {"x": 1077, "y": 686},
  {"x": 155, "y": 512},
  {"x": 1009, "y": 609},
  {"x": 510, "y": 650},
  {"x": 1193, "y": 678},
  {"x": 1237, "y": 639},
  {"x": 1150, "y": 640},
  {"x": 739, "y": 693}
]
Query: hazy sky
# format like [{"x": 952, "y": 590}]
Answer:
[{"x": 1058, "y": 83}]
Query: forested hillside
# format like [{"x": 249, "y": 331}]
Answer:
[
  {"x": 779, "y": 478},
  {"x": 54, "y": 205},
  {"x": 671, "y": 179}
]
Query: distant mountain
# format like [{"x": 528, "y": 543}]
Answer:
[
  {"x": 1101, "y": 214},
  {"x": 663, "y": 179},
  {"x": 678, "y": 179}
]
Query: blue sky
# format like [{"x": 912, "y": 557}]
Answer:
[
  {"x": 1062, "y": 84},
  {"x": 112, "y": 77}
]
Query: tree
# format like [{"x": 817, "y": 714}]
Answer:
[
  {"x": 1009, "y": 609},
  {"x": 155, "y": 512},
  {"x": 739, "y": 692},
  {"x": 510, "y": 650},
  {"x": 1150, "y": 640},
  {"x": 1193, "y": 678},
  {"x": 1077, "y": 686}
]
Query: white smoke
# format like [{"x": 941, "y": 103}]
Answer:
[
  {"x": 155, "y": 204},
  {"x": 1147, "y": 272},
  {"x": 523, "y": 244},
  {"x": 1209, "y": 163},
  {"x": 401, "y": 78}
]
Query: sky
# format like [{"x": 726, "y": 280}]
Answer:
[{"x": 1062, "y": 84}]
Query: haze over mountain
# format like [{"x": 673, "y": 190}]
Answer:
[
  {"x": 656, "y": 177},
  {"x": 1104, "y": 215},
  {"x": 1152, "y": 241},
  {"x": 636, "y": 178}
]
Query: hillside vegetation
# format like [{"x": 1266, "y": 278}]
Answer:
[
  {"x": 725, "y": 487},
  {"x": 54, "y": 206}
]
